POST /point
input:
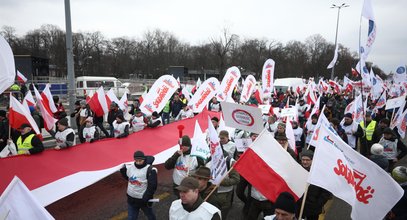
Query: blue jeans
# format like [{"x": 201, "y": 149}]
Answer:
[
  {"x": 134, "y": 210},
  {"x": 165, "y": 116}
]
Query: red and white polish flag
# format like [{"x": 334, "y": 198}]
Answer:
[
  {"x": 20, "y": 77},
  {"x": 30, "y": 99},
  {"x": 271, "y": 169},
  {"x": 352, "y": 177},
  {"x": 48, "y": 100},
  {"x": 19, "y": 115},
  {"x": 123, "y": 101},
  {"x": 98, "y": 103},
  {"x": 49, "y": 120},
  {"x": 111, "y": 97}
]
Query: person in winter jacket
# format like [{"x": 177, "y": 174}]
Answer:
[
  {"x": 28, "y": 143},
  {"x": 182, "y": 162},
  {"x": 316, "y": 196},
  {"x": 142, "y": 184},
  {"x": 377, "y": 157},
  {"x": 394, "y": 149}
]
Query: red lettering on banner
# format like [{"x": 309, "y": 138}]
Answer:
[
  {"x": 362, "y": 195},
  {"x": 203, "y": 97},
  {"x": 228, "y": 85},
  {"x": 316, "y": 134},
  {"x": 161, "y": 96},
  {"x": 248, "y": 89},
  {"x": 213, "y": 147},
  {"x": 268, "y": 77}
]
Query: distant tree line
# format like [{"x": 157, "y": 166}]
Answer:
[{"x": 151, "y": 55}]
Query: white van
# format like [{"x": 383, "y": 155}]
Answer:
[
  {"x": 284, "y": 83},
  {"x": 86, "y": 84}
]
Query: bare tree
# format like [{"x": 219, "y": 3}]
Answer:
[{"x": 222, "y": 46}]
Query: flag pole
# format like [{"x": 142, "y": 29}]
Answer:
[
  {"x": 217, "y": 186},
  {"x": 361, "y": 72},
  {"x": 303, "y": 201},
  {"x": 9, "y": 124}
]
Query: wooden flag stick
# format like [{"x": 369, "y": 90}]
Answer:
[
  {"x": 303, "y": 201},
  {"x": 217, "y": 186}
]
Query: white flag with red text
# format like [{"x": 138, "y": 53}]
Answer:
[
  {"x": 268, "y": 76},
  {"x": 248, "y": 88},
  {"x": 401, "y": 125},
  {"x": 205, "y": 92},
  {"x": 158, "y": 95},
  {"x": 229, "y": 82},
  {"x": 218, "y": 162},
  {"x": 351, "y": 177}
]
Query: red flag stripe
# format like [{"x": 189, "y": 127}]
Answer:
[{"x": 260, "y": 172}]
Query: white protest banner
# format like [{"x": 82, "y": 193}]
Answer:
[
  {"x": 285, "y": 112},
  {"x": 267, "y": 77},
  {"x": 218, "y": 162},
  {"x": 18, "y": 202},
  {"x": 352, "y": 177},
  {"x": 242, "y": 144},
  {"x": 248, "y": 88},
  {"x": 229, "y": 82},
  {"x": 395, "y": 103},
  {"x": 205, "y": 92},
  {"x": 243, "y": 117},
  {"x": 199, "y": 147},
  {"x": 159, "y": 94}
]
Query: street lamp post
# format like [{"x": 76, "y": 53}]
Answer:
[{"x": 336, "y": 35}]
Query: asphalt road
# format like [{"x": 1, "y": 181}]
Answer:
[{"x": 106, "y": 199}]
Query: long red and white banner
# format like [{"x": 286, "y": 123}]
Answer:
[{"x": 54, "y": 174}]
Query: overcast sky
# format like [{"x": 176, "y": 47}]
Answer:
[{"x": 197, "y": 21}]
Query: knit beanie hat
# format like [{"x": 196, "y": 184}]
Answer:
[
  {"x": 307, "y": 153},
  {"x": 348, "y": 115},
  {"x": 139, "y": 155},
  {"x": 400, "y": 174},
  {"x": 215, "y": 119},
  {"x": 377, "y": 149},
  {"x": 63, "y": 121},
  {"x": 186, "y": 141},
  {"x": 120, "y": 116},
  {"x": 286, "y": 202}
]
